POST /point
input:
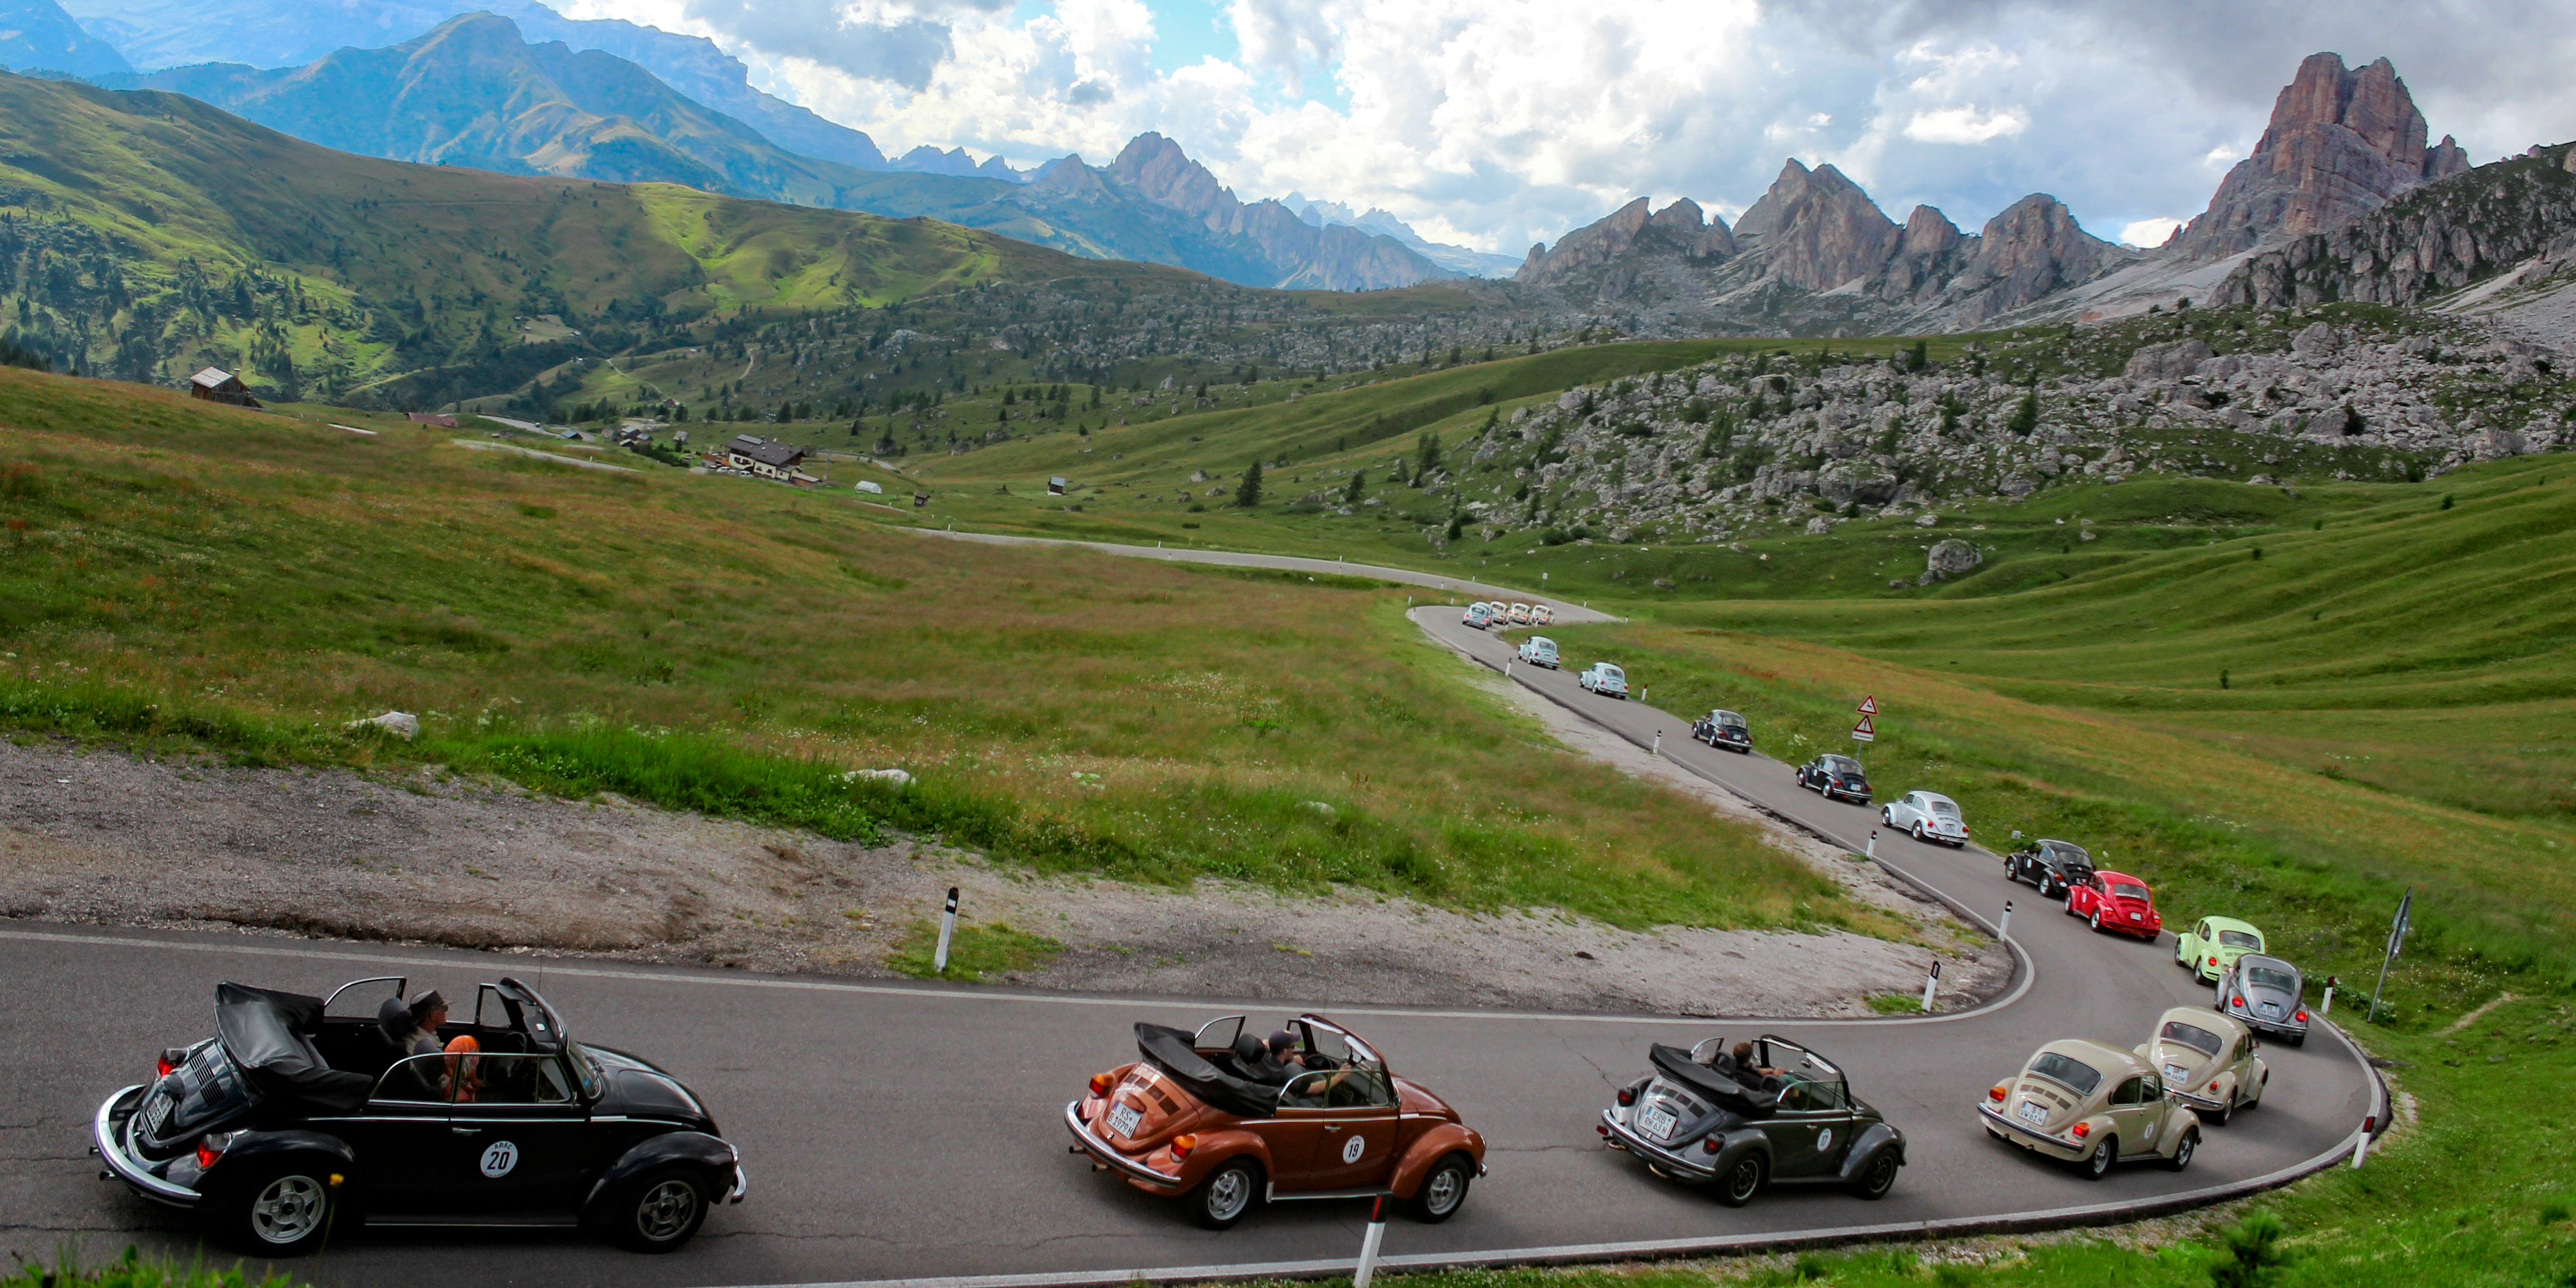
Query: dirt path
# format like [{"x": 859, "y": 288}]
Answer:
[{"x": 104, "y": 838}]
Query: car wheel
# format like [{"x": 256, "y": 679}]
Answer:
[
  {"x": 282, "y": 1211},
  {"x": 1226, "y": 1195},
  {"x": 2227, "y": 1112},
  {"x": 2182, "y": 1153},
  {"x": 1918, "y": 832},
  {"x": 1887, "y": 816},
  {"x": 2298, "y": 1039},
  {"x": 1737, "y": 1187},
  {"x": 1878, "y": 1175},
  {"x": 661, "y": 1210},
  {"x": 2098, "y": 1164},
  {"x": 1444, "y": 1191},
  {"x": 2097, "y": 921}
]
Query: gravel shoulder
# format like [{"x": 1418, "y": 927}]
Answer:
[{"x": 103, "y": 838}]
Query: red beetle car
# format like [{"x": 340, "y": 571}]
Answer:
[
  {"x": 1216, "y": 1119},
  {"x": 2116, "y": 901}
]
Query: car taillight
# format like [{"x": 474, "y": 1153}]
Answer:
[
  {"x": 1101, "y": 1083},
  {"x": 1627, "y": 1095},
  {"x": 2303, "y": 1015},
  {"x": 171, "y": 1058},
  {"x": 2236, "y": 1001},
  {"x": 2213, "y": 1085},
  {"x": 2082, "y": 1130},
  {"x": 2213, "y": 961},
  {"x": 1710, "y": 1144},
  {"x": 1996, "y": 1095},
  {"x": 1182, "y": 1145},
  {"x": 211, "y": 1148}
]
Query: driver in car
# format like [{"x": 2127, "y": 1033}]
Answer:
[{"x": 1738, "y": 1064}]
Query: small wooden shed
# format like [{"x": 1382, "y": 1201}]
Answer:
[{"x": 214, "y": 384}]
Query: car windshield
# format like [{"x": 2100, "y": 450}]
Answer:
[
  {"x": 1940, "y": 806},
  {"x": 2191, "y": 1035},
  {"x": 2239, "y": 939},
  {"x": 1842, "y": 764},
  {"x": 586, "y": 1069},
  {"x": 1727, "y": 718},
  {"x": 1609, "y": 672},
  {"x": 2126, "y": 891},
  {"x": 2074, "y": 1074},
  {"x": 2065, "y": 853},
  {"x": 2278, "y": 981}
]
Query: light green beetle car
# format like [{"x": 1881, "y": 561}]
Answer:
[{"x": 2213, "y": 944}]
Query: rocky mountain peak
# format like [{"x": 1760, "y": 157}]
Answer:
[
  {"x": 1929, "y": 232},
  {"x": 1681, "y": 227},
  {"x": 1163, "y": 174},
  {"x": 2032, "y": 249},
  {"x": 1818, "y": 228},
  {"x": 2340, "y": 142}
]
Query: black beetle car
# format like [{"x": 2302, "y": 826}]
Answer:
[
  {"x": 1724, "y": 729},
  {"x": 2053, "y": 866},
  {"x": 1835, "y": 776},
  {"x": 1698, "y": 1120},
  {"x": 275, "y": 1130}
]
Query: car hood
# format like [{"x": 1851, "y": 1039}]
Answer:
[
  {"x": 635, "y": 1089},
  {"x": 1413, "y": 1098}
]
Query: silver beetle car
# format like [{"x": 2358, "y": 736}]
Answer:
[
  {"x": 2268, "y": 995},
  {"x": 1782, "y": 1114}
]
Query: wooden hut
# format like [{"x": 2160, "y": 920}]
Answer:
[{"x": 214, "y": 384}]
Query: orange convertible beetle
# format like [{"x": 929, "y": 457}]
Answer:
[{"x": 1198, "y": 1117}]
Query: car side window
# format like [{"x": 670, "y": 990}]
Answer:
[
  {"x": 2152, "y": 1090},
  {"x": 513, "y": 1080},
  {"x": 1305, "y": 1091},
  {"x": 2127, "y": 1093},
  {"x": 1357, "y": 1089},
  {"x": 414, "y": 1080}
]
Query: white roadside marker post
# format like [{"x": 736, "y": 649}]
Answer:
[
  {"x": 1369, "y": 1242},
  {"x": 1931, "y": 981},
  {"x": 1659, "y": 742},
  {"x": 2003, "y": 929},
  {"x": 1873, "y": 842},
  {"x": 947, "y": 929},
  {"x": 2326, "y": 1007},
  {"x": 2361, "y": 1143}
]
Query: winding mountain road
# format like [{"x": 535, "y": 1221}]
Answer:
[{"x": 910, "y": 1132}]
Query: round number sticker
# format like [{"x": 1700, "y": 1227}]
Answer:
[
  {"x": 499, "y": 1158},
  {"x": 1824, "y": 1140},
  {"x": 1352, "y": 1149}
]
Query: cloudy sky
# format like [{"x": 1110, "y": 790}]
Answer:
[{"x": 1496, "y": 123}]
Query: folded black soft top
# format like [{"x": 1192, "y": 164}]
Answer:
[
  {"x": 1170, "y": 1050},
  {"x": 270, "y": 1035},
  {"x": 1730, "y": 1095}
]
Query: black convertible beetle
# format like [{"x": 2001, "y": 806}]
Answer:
[
  {"x": 1788, "y": 1117},
  {"x": 293, "y": 1119}
]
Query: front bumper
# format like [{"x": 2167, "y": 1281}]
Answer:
[
  {"x": 2196, "y": 1100},
  {"x": 107, "y": 1140},
  {"x": 741, "y": 1184},
  {"x": 1107, "y": 1154},
  {"x": 1621, "y": 1136},
  {"x": 2021, "y": 1134}
]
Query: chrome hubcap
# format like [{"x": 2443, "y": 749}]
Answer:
[
  {"x": 1446, "y": 1186},
  {"x": 666, "y": 1210},
  {"x": 1747, "y": 1174},
  {"x": 288, "y": 1209},
  {"x": 1228, "y": 1192}
]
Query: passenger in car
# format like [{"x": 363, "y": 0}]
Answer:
[
  {"x": 1738, "y": 1064},
  {"x": 464, "y": 1070}
]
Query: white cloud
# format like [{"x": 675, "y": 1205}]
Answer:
[
  {"x": 1500, "y": 122},
  {"x": 2149, "y": 232},
  {"x": 1965, "y": 125}
]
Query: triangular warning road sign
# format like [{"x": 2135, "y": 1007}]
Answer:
[
  {"x": 1868, "y": 707},
  {"x": 1862, "y": 732}
]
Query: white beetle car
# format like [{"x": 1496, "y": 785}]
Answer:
[
  {"x": 1479, "y": 615},
  {"x": 1604, "y": 679},
  {"x": 1928, "y": 816},
  {"x": 1539, "y": 650},
  {"x": 1519, "y": 614}
]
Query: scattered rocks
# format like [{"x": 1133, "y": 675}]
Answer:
[{"x": 1952, "y": 557}]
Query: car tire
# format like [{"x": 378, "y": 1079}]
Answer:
[
  {"x": 2299, "y": 1040},
  {"x": 1887, "y": 816},
  {"x": 2182, "y": 1153},
  {"x": 2098, "y": 1163},
  {"x": 660, "y": 1210},
  {"x": 1741, "y": 1183},
  {"x": 1227, "y": 1195},
  {"x": 1443, "y": 1191},
  {"x": 1918, "y": 833},
  {"x": 1877, "y": 1176},
  {"x": 2097, "y": 921},
  {"x": 2227, "y": 1112},
  {"x": 281, "y": 1210}
]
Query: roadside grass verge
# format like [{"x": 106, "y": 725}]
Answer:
[
  {"x": 134, "y": 1269},
  {"x": 974, "y": 951},
  {"x": 177, "y": 577}
]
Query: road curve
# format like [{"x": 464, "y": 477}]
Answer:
[
  {"x": 1567, "y": 613},
  {"x": 897, "y": 1131}
]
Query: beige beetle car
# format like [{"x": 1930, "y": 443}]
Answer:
[
  {"x": 2208, "y": 1061},
  {"x": 2093, "y": 1105}
]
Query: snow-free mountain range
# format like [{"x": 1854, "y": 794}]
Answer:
[{"x": 517, "y": 88}]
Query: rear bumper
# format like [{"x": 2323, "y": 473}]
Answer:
[
  {"x": 1618, "y": 1135},
  {"x": 107, "y": 1140},
  {"x": 1108, "y": 1156},
  {"x": 2021, "y": 1134}
]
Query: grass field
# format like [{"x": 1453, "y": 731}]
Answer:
[{"x": 172, "y": 573}]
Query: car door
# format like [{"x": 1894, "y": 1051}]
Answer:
[
  {"x": 520, "y": 1140},
  {"x": 2131, "y": 1115},
  {"x": 401, "y": 1140},
  {"x": 1812, "y": 1131},
  {"x": 1335, "y": 1131}
]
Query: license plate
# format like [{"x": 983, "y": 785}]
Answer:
[
  {"x": 2272, "y": 1009},
  {"x": 155, "y": 1114},
  {"x": 1123, "y": 1119},
  {"x": 1657, "y": 1122},
  {"x": 2031, "y": 1112},
  {"x": 2177, "y": 1074}
]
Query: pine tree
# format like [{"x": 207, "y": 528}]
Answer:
[
  {"x": 1351, "y": 494},
  {"x": 1247, "y": 494}
]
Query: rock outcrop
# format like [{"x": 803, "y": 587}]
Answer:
[
  {"x": 2340, "y": 143},
  {"x": 1262, "y": 243},
  {"x": 2030, "y": 251},
  {"x": 1818, "y": 229}
]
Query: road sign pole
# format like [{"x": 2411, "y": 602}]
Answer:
[
  {"x": 947, "y": 930},
  {"x": 2396, "y": 940}
]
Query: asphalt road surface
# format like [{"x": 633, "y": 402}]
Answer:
[
  {"x": 1466, "y": 588},
  {"x": 912, "y": 1132}
]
